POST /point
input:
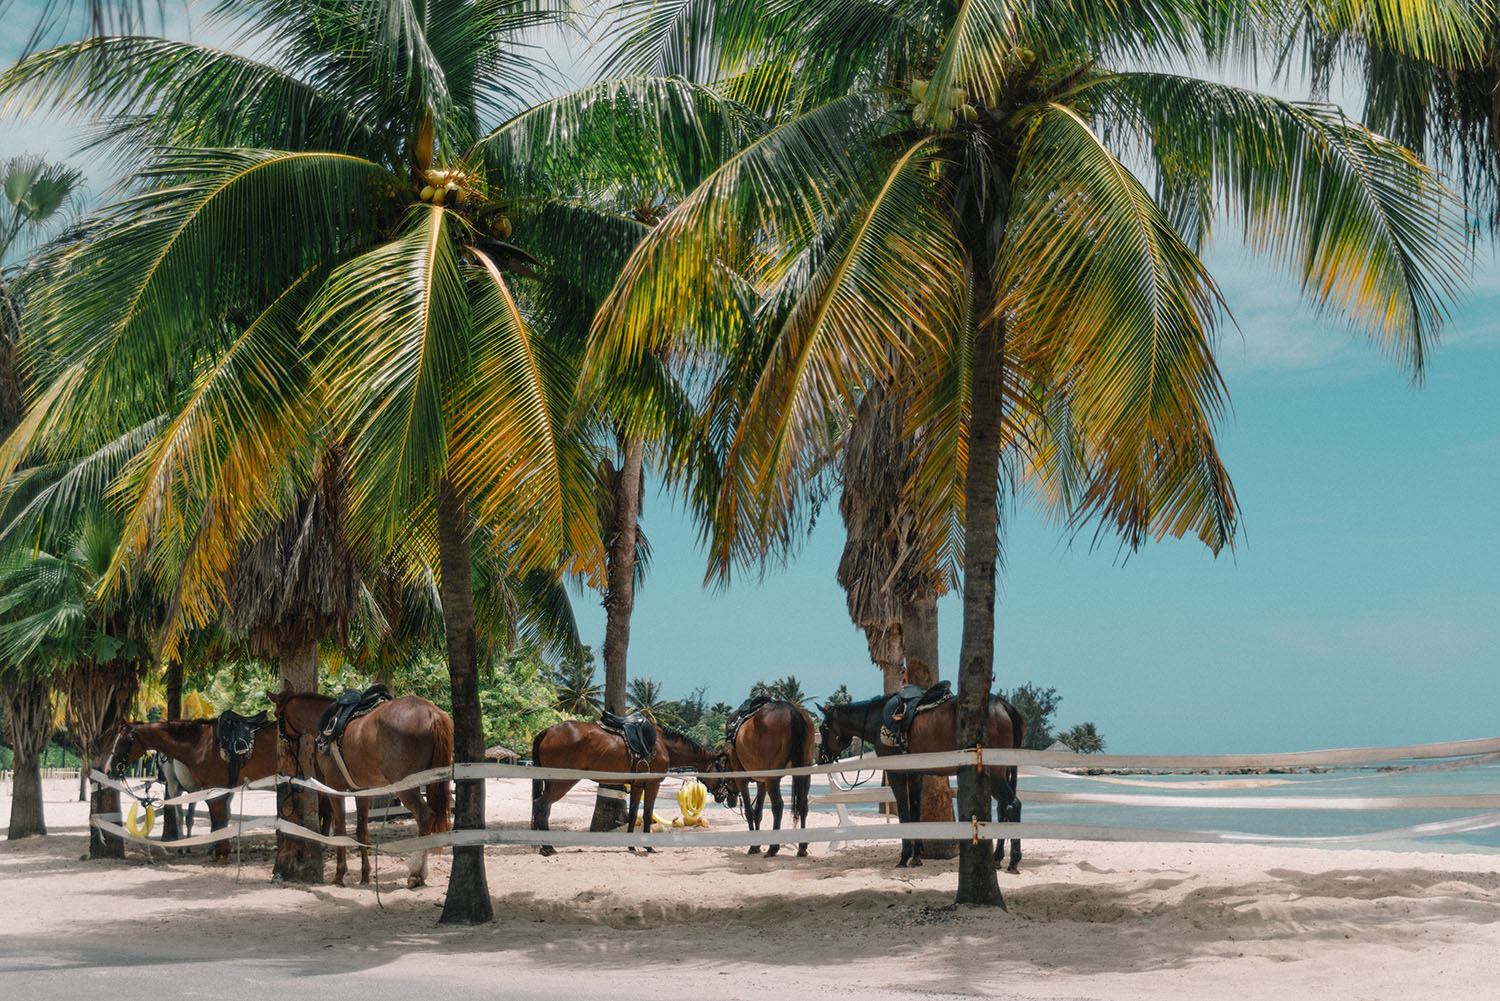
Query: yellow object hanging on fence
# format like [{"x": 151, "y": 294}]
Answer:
[
  {"x": 132, "y": 820},
  {"x": 691, "y": 798}
]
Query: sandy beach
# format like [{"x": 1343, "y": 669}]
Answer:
[{"x": 1085, "y": 920}]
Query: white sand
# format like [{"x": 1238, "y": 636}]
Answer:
[{"x": 1085, "y": 920}]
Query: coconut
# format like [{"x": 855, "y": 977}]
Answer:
[
  {"x": 427, "y": 193},
  {"x": 957, "y": 96},
  {"x": 919, "y": 89},
  {"x": 500, "y": 227}
]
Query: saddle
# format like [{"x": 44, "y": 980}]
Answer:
[
  {"x": 902, "y": 708},
  {"x": 235, "y": 735},
  {"x": 638, "y": 732},
  {"x": 747, "y": 709},
  {"x": 348, "y": 706}
]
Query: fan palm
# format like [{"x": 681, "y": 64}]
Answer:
[{"x": 946, "y": 198}]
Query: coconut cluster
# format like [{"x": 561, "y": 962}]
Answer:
[
  {"x": 451, "y": 186},
  {"x": 954, "y": 107}
]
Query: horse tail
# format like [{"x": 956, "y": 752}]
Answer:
[
  {"x": 1018, "y": 737},
  {"x": 802, "y": 742},
  {"x": 439, "y": 794}
]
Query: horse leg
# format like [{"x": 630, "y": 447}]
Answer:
[
  {"x": 340, "y": 829},
  {"x": 218, "y": 819},
  {"x": 914, "y": 811},
  {"x": 775, "y": 814},
  {"x": 801, "y": 784},
  {"x": 416, "y": 863},
  {"x": 635, "y": 802},
  {"x": 646, "y": 814},
  {"x": 545, "y": 792},
  {"x": 362, "y": 835},
  {"x": 753, "y": 814},
  {"x": 903, "y": 814}
]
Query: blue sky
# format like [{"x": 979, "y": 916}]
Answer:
[{"x": 1361, "y": 604}]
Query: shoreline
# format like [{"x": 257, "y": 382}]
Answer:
[{"x": 1097, "y": 920}]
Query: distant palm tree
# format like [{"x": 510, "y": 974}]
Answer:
[
  {"x": 577, "y": 692},
  {"x": 646, "y": 696}
]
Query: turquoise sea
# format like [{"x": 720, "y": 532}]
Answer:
[
  {"x": 1475, "y": 780},
  {"x": 1351, "y": 783}
]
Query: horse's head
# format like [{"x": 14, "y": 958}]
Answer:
[
  {"x": 724, "y": 791},
  {"x": 125, "y": 751},
  {"x": 834, "y": 737}
]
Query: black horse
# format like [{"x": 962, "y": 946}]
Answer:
[{"x": 931, "y": 730}]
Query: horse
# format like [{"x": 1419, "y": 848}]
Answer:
[
  {"x": 395, "y": 739},
  {"x": 587, "y": 746},
  {"x": 776, "y": 735},
  {"x": 931, "y": 730},
  {"x": 193, "y": 752}
]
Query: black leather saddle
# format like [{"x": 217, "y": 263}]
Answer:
[
  {"x": 235, "y": 734},
  {"x": 747, "y": 709},
  {"x": 637, "y": 730},
  {"x": 347, "y": 706},
  {"x": 900, "y": 709}
]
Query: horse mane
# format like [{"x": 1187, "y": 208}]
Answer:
[
  {"x": 673, "y": 733},
  {"x": 861, "y": 704},
  {"x": 185, "y": 729}
]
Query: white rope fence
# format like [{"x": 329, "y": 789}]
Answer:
[{"x": 1450, "y": 755}]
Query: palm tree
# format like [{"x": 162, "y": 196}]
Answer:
[
  {"x": 1432, "y": 93},
  {"x": 37, "y": 195},
  {"x": 946, "y": 186},
  {"x": 53, "y": 618},
  {"x": 649, "y": 698},
  {"x": 577, "y": 691},
  {"x": 319, "y": 234}
]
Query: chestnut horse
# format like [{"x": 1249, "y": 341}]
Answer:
[
  {"x": 196, "y": 761},
  {"x": 395, "y": 739},
  {"x": 587, "y": 746},
  {"x": 931, "y": 730},
  {"x": 777, "y": 735}
]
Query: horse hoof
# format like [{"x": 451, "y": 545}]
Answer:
[
  {"x": 649, "y": 850},
  {"x": 915, "y": 862},
  {"x": 547, "y": 850},
  {"x": 773, "y": 851},
  {"x": 412, "y": 882},
  {"x": 901, "y": 864},
  {"x": 1013, "y": 871},
  {"x": 802, "y": 852},
  {"x": 338, "y": 881},
  {"x": 630, "y": 848}
]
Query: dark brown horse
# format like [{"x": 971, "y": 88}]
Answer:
[
  {"x": 776, "y": 735},
  {"x": 931, "y": 730},
  {"x": 395, "y": 739},
  {"x": 587, "y": 746},
  {"x": 194, "y": 753}
]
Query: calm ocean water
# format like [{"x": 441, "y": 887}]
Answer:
[
  {"x": 1477, "y": 780},
  {"x": 1480, "y": 779}
]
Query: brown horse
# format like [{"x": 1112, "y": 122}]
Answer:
[
  {"x": 395, "y": 739},
  {"x": 776, "y": 735},
  {"x": 931, "y": 730},
  {"x": 588, "y": 746},
  {"x": 194, "y": 752}
]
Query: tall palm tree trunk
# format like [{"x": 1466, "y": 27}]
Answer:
[
  {"x": 28, "y": 727},
  {"x": 919, "y": 633},
  {"x": 619, "y": 604},
  {"x": 977, "y": 883},
  {"x": 468, "y": 898},
  {"x": 298, "y": 860}
]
